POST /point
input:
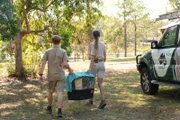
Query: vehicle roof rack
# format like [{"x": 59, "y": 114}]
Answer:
[{"x": 169, "y": 16}]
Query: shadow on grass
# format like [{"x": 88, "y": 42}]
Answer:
[
  {"x": 20, "y": 100},
  {"x": 125, "y": 101}
]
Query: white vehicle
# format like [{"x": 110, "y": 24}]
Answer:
[{"x": 161, "y": 65}]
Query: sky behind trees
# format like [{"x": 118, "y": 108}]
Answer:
[{"x": 154, "y": 7}]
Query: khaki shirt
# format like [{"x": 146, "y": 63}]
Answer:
[
  {"x": 101, "y": 52},
  {"x": 55, "y": 57}
]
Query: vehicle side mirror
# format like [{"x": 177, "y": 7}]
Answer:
[{"x": 154, "y": 45}]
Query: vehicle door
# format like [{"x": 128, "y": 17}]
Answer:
[
  {"x": 177, "y": 58},
  {"x": 163, "y": 59}
]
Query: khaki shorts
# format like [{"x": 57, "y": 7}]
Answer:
[
  {"x": 56, "y": 85},
  {"x": 98, "y": 69}
]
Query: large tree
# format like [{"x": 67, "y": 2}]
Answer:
[
  {"x": 46, "y": 16},
  {"x": 43, "y": 18},
  {"x": 85, "y": 25},
  {"x": 27, "y": 10},
  {"x": 131, "y": 11},
  {"x": 125, "y": 7},
  {"x": 138, "y": 14}
]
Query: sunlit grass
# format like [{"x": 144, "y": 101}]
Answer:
[
  {"x": 125, "y": 101},
  {"x": 121, "y": 59},
  {"x": 3, "y": 69}
]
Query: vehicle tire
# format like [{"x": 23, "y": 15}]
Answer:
[{"x": 146, "y": 85}]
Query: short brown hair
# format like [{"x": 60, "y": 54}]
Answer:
[{"x": 56, "y": 39}]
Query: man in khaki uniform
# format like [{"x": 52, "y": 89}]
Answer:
[{"x": 57, "y": 60}]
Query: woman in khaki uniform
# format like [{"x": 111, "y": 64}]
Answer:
[{"x": 98, "y": 57}]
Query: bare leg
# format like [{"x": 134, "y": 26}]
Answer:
[
  {"x": 60, "y": 99},
  {"x": 91, "y": 100},
  {"x": 101, "y": 88},
  {"x": 60, "y": 103},
  {"x": 50, "y": 98}
]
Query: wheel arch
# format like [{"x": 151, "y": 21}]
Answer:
[
  {"x": 149, "y": 68},
  {"x": 142, "y": 65}
]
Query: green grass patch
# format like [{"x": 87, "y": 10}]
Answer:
[
  {"x": 121, "y": 59},
  {"x": 3, "y": 68},
  {"x": 125, "y": 101}
]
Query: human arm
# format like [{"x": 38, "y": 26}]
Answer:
[
  {"x": 43, "y": 64},
  {"x": 92, "y": 58},
  {"x": 89, "y": 52},
  {"x": 105, "y": 55},
  {"x": 91, "y": 64},
  {"x": 66, "y": 64}
]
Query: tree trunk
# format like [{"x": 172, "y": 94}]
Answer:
[
  {"x": 88, "y": 18},
  {"x": 125, "y": 33},
  {"x": 83, "y": 55},
  {"x": 18, "y": 55},
  {"x": 135, "y": 37},
  {"x": 125, "y": 40}
]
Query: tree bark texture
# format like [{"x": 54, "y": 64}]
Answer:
[
  {"x": 135, "y": 37},
  {"x": 125, "y": 32},
  {"x": 125, "y": 40},
  {"x": 18, "y": 54}
]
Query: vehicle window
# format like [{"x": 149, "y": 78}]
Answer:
[
  {"x": 169, "y": 37},
  {"x": 179, "y": 38}
]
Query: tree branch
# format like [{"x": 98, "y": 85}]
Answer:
[
  {"x": 44, "y": 9},
  {"x": 26, "y": 20},
  {"x": 33, "y": 31},
  {"x": 49, "y": 4}
]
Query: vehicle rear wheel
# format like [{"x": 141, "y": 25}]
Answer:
[{"x": 146, "y": 85}]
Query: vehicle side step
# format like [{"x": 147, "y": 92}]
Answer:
[{"x": 165, "y": 83}]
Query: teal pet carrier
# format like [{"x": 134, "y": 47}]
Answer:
[{"x": 80, "y": 86}]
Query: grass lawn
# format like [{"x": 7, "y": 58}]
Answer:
[
  {"x": 3, "y": 69},
  {"x": 125, "y": 101},
  {"x": 121, "y": 59}
]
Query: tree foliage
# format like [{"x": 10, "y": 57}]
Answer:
[
  {"x": 43, "y": 18},
  {"x": 132, "y": 12},
  {"x": 33, "y": 22},
  {"x": 175, "y": 4},
  {"x": 8, "y": 23},
  {"x": 138, "y": 27},
  {"x": 112, "y": 33},
  {"x": 84, "y": 26}
]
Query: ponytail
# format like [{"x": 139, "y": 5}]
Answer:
[
  {"x": 96, "y": 35},
  {"x": 96, "y": 44}
]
